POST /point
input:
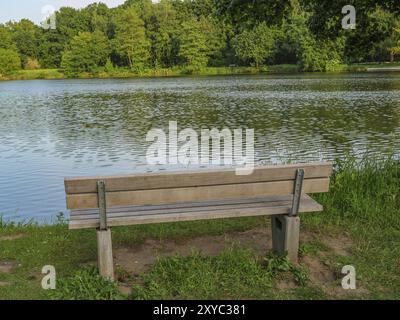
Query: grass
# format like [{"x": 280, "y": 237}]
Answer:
[
  {"x": 35, "y": 74},
  {"x": 360, "y": 67},
  {"x": 284, "y": 68},
  {"x": 234, "y": 274},
  {"x": 50, "y": 74},
  {"x": 86, "y": 284},
  {"x": 127, "y": 73},
  {"x": 363, "y": 204}
]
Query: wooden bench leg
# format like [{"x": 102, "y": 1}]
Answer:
[
  {"x": 285, "y": 236},
  {"x": 105, "y": 256}
]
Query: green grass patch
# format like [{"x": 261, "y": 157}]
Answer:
[
  {"x": 283, "y": 68},
  {"x": 176, "y": 72},
  {"x": 86, "y": 284},
  {"x": 46, "y": 74},
  {"x": 233, "y": 274},
  {"x": 360, "y": 67}
]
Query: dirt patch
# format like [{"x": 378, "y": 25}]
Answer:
[
  {"x": 320, "y": 274},
  {"x": 341, "y": 245},
  {"x": 139, "y": 259},
  {"x": 341, "y": 293},
  {"x": 286, "y": 284},
  {"x": 12, "y": 237},
  {"x": 126, "y": 290},
  {"x": 4, "y": 283},
  {"x": 6, "y": 267}
]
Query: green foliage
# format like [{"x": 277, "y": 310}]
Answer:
[
  {"x": 255, "y": 45},
  {"x": 298, "y": 44},
  {"x": 86, "y": 52},
  {"x": 192, "y": 44},
  {"x": 216, "y": 38},
  {"x": 162, "y": 29},
  {"x": 206, "y": 33},
  {"x": 32, "y": 64},
  {"x": 9, "y": 61},
  {"x": 130, "y": 42},
  {"x": 25, "y": 35},
  {"x": 109, "y": 66},
  {"x": 86, "y": 284},
  {"x": 394, "y": 46},
  {"x": 6, "y": 41},
  {"x": 51, "y": 49},
  {"x": 322, "y": 57}
]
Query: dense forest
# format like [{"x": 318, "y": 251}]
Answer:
[{"x": 194, "y": 34}]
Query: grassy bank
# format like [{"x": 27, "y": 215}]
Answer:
[
  {"x": 360, "y": 226},
  {"x": 49, "y": 74},
  {"x": 362, "y": 67},
  {"x": 127, "y": 73}
]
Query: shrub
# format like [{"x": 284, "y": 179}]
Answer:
[
  {"x": 32, "y": 64},
  {"x": 9, "y": 61}
]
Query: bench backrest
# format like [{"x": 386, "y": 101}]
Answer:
[{"x": 201, "y": 185}]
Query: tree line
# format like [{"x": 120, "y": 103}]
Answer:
[{"x": 198, "y": 33}]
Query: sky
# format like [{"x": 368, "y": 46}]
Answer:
[{"x": 36, "y": 10}]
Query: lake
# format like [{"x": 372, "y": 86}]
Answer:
[{"x": 57, "y": 128}]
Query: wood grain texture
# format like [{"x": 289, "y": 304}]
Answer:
[
  {"x": 104, "y": 254},
  {"x": 201, "y": 193},
  {"x": 83, "y": 219},
  {"x": 149, "y": 181}
]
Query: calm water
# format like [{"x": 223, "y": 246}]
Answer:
[{"x": 53, "y": 129}]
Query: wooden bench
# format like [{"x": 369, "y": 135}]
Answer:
[{"x": 279, "y": 191}]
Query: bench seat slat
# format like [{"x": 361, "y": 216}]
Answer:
[
  {"x": 264, "y": 207},
  {"x": 185, "y": 205}
]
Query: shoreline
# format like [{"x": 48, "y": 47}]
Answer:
[{"x": 58, "y": 74}]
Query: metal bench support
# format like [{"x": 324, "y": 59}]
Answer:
[
  {"x": 104, "y": 244},
  {"x": 286, "y": 228},
  {"x": 298, "y": 186}
]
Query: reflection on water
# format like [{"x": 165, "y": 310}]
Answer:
[{"x": 53, "y": 129}]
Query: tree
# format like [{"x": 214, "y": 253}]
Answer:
[
  {"x": 6, "y": 41},
  {"x": 193, "y": 47},
  {"x": 197, "y": 33},
  {"x": 256, "y": 45},
  {"x": 96, "y": 17},
  {"x": 9, "y": 61},
  {"x": 130, "y": 40},
  {"x": 248, "y": 13},
  {"x": 51, "y": 48},
  {"x": 87, "y": 51},
  {"x": 394, "y": 47},
  {"x": 216, "y": 37},
  {"x": 298, "y": 44},
  {"x": 25, "y": 36},
  {"x": 162, "y": 29}
]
